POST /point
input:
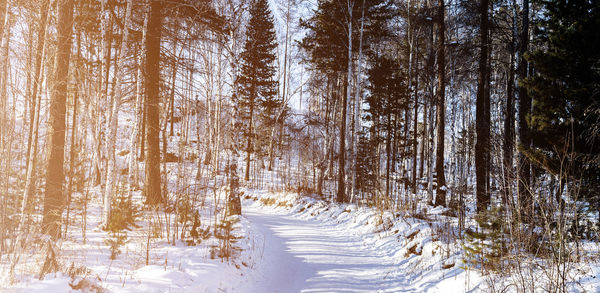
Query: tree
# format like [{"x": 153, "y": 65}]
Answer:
[
  {"x": 482, "y": 114},
  {"x": 387, "y": 100},
  {"x": 152, "y": 82},
  {"x": 32, "y": 145},
  {"x": 509, "y": 119},
  {"x": 524, "y": 111},
  {"x": 54, "y": 198},
  {"x": 440, "y": 198},
  {"x": 565, "y": 88},
  {"x": 118, "y": 92},
  {"x": 257, "y": 84},
  {"x": 331, "y": 42}
]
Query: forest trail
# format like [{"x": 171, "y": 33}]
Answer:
[{"x": 301, "y": 255}]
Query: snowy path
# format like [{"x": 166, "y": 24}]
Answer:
[{"x": 303, "y": 255}]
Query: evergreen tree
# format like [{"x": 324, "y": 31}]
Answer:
[
  {"x": 565, "y": 90},
  {"x": 367, "y": 170},
  {"x": 334, "y": 35},
  {"x": 258, "y": 87},
  {"x": 387, "y": 101}
]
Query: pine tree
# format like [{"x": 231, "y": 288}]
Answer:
[
  {"x": 153, "y": 36},
  {"x": 565, "y": 89},
  {"x": 482, "y": 146},
  {"x": 258, "y": 87},
  {"x": 387, "y": 101},
  {"x": 54, "y": 199},
  {"x": 333, "y": 39}
]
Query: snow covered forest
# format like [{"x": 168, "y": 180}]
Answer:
[{"x": 299, "y": 146}]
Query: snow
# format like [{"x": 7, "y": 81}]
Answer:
[
  {"x": 54, "y": 283},
  {"x": 320, "y": 258},
  {"x": 315, "y": 247},
  {"x": 287, "y": 243}
]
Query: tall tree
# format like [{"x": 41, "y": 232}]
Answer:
[
  {"x": 387, "y": 100},
  {"x": 345, "y": 136},
  {"x": 509, "y": 119},
  {"x": 440, "y": 198},
  {"x": 117, "y": 95},
  {"x": 5, "y": 31},
  {"x": 332, "y": 40},
  {"x": 524, "y": 111},
  {"x": 258, "y": 86},
  {"x": 482, "y": 122},
  {"x": 31, "y": 154},
  {"x": 54, "y": 198},
  {"x": 152, "y": 82},
  {"x": 565, "y": 89},
  {"x": 33, "y": 90}
]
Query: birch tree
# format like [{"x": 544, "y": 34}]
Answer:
[{"x": 118, "y": 92}]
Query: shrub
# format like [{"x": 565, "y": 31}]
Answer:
[{"x": 485, "y": 246}]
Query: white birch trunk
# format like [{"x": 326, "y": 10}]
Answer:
[
  {"x": 357, "y": 107},
  {"x": 133, "y": 143},
  {"x": 111, "y": 175}
]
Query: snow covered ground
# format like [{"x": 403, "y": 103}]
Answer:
[
  {"x": 311, "y": 246},
  {"x": 287, "y": 243},
  {"x": 170, "y": 268}
]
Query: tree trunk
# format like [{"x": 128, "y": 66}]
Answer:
[
  {"x": 346, "y": 117},
  {"x": 509, "y": 121},
  {"x": 118, "y": 92},
  {"x": 482, "y": 124},
  {"x": 4, "y": 75},
  {"x": 524, "y": 111},
  {"x": 171, "y": 108},
  {"x": 133, "y": 179},
  {"x": 249, "y": 138},
  {"x": 388, "y": 154},
  {"x": 31, "y": 155},
  {"x": 33, "y": 91},
  {"x": 72, "y": 148},
  {"x": 54, "y": 198},
  {"x": 357, "y": 105},
  {"x": 153, "y": 36},
  {"x": 423, "y": 140},
  {"x": 283, "y": 94},
  {"x": 415, "y": 69},
  {"x": 440, "y": 198},
  {"x": 341, "y": 191}
]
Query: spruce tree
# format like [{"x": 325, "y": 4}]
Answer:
[{"x": 258, "y": 87}]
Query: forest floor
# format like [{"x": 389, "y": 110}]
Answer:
[{"x": 285, "y": 242}]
